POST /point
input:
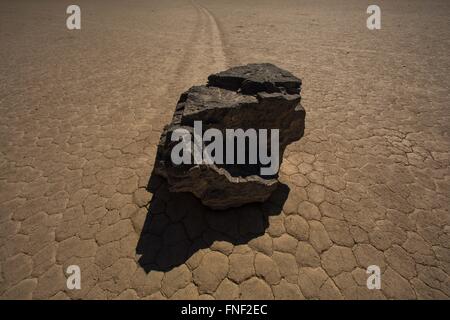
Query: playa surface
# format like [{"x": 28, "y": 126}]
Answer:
[{"x": 82, "y": 112}]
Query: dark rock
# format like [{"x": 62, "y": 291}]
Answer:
[
  {"x": 254, "y": 78},
  {"x": 255, "y": 96}
]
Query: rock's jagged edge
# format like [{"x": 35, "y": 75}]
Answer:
[{"x": 259, "y": 96}]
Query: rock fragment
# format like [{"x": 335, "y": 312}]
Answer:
[{"x": 254, "y": 99}]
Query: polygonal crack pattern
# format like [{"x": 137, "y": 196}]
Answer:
[{"x": 81, "y": 115}]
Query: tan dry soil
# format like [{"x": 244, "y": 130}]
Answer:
[{"x": 82, "y": 111}]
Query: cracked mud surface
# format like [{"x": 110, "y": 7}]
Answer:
[{"x": 81, "y": 115}]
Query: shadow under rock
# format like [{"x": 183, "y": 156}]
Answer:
[{"x": 178, "y": 225}]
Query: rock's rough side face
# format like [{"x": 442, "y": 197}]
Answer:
[{"x": 257, "y": 96}]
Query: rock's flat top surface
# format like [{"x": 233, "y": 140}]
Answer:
[
  {"x": 256, "y": 77},
  {"x": 200, "y": 99},
  {"x": 82, "y": 112}
]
